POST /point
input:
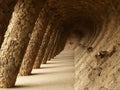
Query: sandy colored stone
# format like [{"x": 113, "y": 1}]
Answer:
[
  {"x": 34, "y": 44},
  {"x": 16, "y": 41},
  {"x": 43, "y": 46}
]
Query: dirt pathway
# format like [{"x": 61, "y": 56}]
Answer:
[{"x": 57, "y": 74}]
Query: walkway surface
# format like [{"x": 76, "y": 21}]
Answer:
[{"x": 57, "y": 74}]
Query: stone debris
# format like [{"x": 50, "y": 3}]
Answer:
[
  {"x": 90, "y": 49},
  {"x": 102, "y": 56}
]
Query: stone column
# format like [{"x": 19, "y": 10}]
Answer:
[
  {"x": 6, "y": 9},
  {"x": 61, "y": 43},
  {"x": 56, "y": 45},
  {"x": 53, "y": 46},
  {"x": 49, "y": 46},
  {"x": 43, "y": 46},
  {"x": 34, "y": 43},
  {"x": 16, "y": 40}
]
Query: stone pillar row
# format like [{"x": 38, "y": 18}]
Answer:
[
  {"x": 40, "y": 33},
  {"x": 34, "y": 43},
  {"x": 61, "y": 43},
  {"x": 29, "y": 37},
  {"x": 16, "y": 39},
  {"x": 44, "y": 44},
  {"x": 54, "y": 43},
  {"x": 49, "y": 46}
]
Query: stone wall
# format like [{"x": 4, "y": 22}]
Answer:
[{"x": 97, "y": 66}]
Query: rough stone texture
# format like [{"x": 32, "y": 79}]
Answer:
[
  {"x": 43, "y": 46},
  {"x": 95, "y": 27},
  {"x": 16, "y": 40},
  {"x": 54, "y": 43},
  {"x": 34, "y": 44},
  {"x": 6, "y": 9},
  {"x": 49, "y": 46},
  {"x": 36, "y": 38},
  {"x": 61, "y": 43},
  {"x": 97, "y": 75}
]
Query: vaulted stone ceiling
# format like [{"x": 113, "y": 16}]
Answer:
[
  {"x": 85, "y": 16},
  {"x": 40, "y": 29},
  {"x": 90, "y": 10}
]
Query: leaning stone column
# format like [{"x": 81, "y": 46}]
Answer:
[
  {"x": 6, "y": 9},
  {"x": 34, "y": 44},
  {"x": 61, "y": 46},
  {"x": 16, "y": 40},
  {"x": 56, "y": 45},
  {"x": 61, "y": 43},
  {"x": 49, "y": 46},
  {"x": 43, "y": 46},
  {"x": 52, "y": 47}
]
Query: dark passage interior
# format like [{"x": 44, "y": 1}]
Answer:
[{"x": 60, "y": 44}]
